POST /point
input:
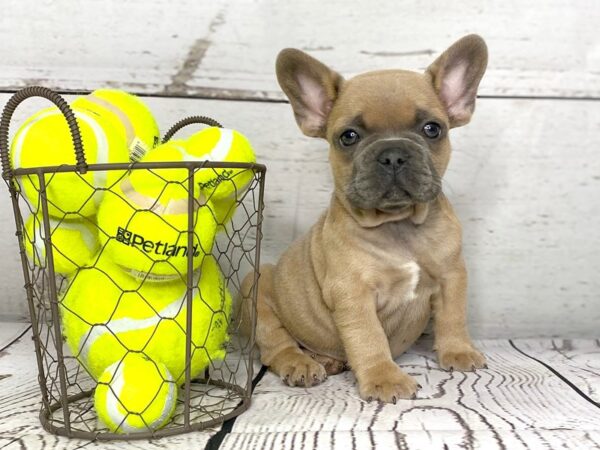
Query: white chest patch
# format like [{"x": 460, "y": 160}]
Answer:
[{"x": 412, "y": 268}]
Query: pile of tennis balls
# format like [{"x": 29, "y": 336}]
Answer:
[{"x": 120, "y": 238}]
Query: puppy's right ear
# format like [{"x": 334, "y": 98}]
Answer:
[{"x": 311, "y": 87}]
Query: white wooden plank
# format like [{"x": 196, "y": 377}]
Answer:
[
  {"x": 536, "y": 48},
  {"x": 523, "y": 179},
  {"x": 136, "y": 44},
  {"x": 40, "y": 440},
  {"x": 415, "y": 439},
  {"x": 9, "y": 331},
  {"x": 576, "y": 359},
  {"x": 540, "y": 48}
]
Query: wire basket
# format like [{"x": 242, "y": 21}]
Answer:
[{"x": 91, "y": 320}]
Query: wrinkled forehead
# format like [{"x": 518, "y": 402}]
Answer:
[{"x": 386, "y": 101}]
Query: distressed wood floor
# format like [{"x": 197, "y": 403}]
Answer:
[{"x": 536, "y": 393}]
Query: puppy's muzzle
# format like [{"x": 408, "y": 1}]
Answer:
[{"x": 392, "y": 173}]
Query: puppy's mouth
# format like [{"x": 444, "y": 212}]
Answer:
[{"x": 392, "y": 199}]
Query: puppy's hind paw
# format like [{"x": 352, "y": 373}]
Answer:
[
  {"x": 298, "y": 369},
  {"x": 332, "y": 366}
]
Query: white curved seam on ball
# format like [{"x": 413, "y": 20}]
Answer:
[
  {"x": 221, "y": 150},
  {"x": 40, "y": 245},
  {"x": 123, "y": 118},
  {"x": 126, "y": 324},
  {"x": 169, "y": 399},
  {"x": 101, "y": 152},
  {"x": 112, "y": 401},
  {"x": 184, "y": 153},
  {"x": 86, "y": 235},
  {"x": 218, "y": 153},
  {"x": 179, "y": 206},
  {"x": 101, "y": 143},
  {"x": 18, "y": 146}
]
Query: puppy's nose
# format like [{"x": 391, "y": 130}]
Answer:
[{"x": 392, "y": 159}]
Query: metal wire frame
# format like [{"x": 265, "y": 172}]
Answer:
[
  {"x": 70, "y": 419},
  {"x": 190, "y": 121}
]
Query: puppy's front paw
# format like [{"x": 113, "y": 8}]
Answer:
[
  {"x": 298, "y": 369},
  {"x": 466, "y": 358},
  {"x": 386, "y": 382}
]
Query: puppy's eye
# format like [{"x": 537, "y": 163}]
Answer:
[
  {"x": 432, "y": 130},
  {"x": 349, "y": 137}
]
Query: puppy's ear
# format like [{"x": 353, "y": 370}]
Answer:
[
  {"x": 311, "y": 87},
  {"x": 456, "y": 75}
]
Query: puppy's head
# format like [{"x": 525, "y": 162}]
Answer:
[{"x": 387, "y": 130}]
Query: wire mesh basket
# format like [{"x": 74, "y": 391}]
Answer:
[{"x": 135, "y": 307}]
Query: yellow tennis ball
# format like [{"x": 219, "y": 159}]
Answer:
[
  {"x": 224, "y": 210},
  {"x": 128, "y": 115},
  {"x": 74, "y": 243},
  {"x": 45, "y": 140},
  {"x": 106, "y": 313},
  {"x": 143, "y": 219},
  {"x": 222, "y": 144},
  {"x": 135, "y": 394}
]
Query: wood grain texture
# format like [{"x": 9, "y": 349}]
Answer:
[
  {"x": 578, "y": 359},
  {"x": 523, "y": 179},
  {"x": 516, "y": 403},
  {"x": 142, "y": 45},
  {"x": 228, "y": 48},
  {"x": 536, "y": 48},
  {"x": 416, "y": 439},
  {"x": 10, "y": 331}
]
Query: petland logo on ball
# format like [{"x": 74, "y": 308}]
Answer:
[
  {"x": 157, "y": 248},
  {"x": 214, "y": 182}
]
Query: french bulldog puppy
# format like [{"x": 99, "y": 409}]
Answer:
[{"x": 360, "y": 287}]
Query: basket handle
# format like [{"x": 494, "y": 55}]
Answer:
[
  {"x": 189, "y": 121},
  {"x": 65, "y": 109}
]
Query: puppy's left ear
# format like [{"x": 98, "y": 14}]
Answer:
[{"x": 456, "y": 75}]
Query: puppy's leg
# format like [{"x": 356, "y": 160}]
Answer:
[
  {"x": 452, "y": 342},
  {"x": 368, "y": 350},
  {"x": 278, "y": 349}
]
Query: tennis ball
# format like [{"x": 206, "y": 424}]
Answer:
[
  {"x": 135, "y": 394},
  {"x": 45, "y": 140},
  {"x": 128, "y": 115},
  {"x": 222, "y": 144},
  {"x": 102, "y": 325},
  {"x": 224, "y": 211},
  {"x": 144, "y": 219},
  {"x": 74, "y": 243}
]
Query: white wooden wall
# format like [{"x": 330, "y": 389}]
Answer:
[{"x": 525, "y": 176}]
